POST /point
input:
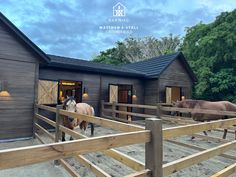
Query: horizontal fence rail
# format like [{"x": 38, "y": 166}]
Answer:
[
  {"x": 152, "y": 135},
  {"x": 29, "y": 155}
]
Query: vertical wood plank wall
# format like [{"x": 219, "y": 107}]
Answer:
[
  {"x": 19, "y": 67},
  {"x": 175, "y": 75}
]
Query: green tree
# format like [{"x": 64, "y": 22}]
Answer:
[
  {"x": 137, "y": 49},
  {"x": 211, "y": 51}
]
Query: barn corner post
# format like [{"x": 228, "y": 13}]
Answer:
[
  {"x": 58, "y": 133},
  {"x": 36, "y": 110},
  {"x": 154, "y": 148},
  {"x": 102, "y": 109}
]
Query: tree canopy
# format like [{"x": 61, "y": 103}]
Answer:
[
  {"x": 136, "y": 49},
  {"x": 211, "y": 52},
  {"x": 209, "y": 48}
]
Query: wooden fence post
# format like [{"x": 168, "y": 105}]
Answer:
[
  {"x": 58, "y": 123},
  {"x": 113, "y": 109},
  {"x": 154, "y": 149},
  {"x": 158, "y": 111},
  {"x": 58, "y": 133},
  {"x": 102, "y": 109},
  {"x": 36, "y": 110}
]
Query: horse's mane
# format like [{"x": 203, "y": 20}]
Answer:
[
  {"x": 192, "y": 103},
  {"x": 66, "y": 101}
]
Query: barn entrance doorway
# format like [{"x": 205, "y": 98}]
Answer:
[
  {"x": 121, "y": 93},
  {"x": 173, "y": 94},
  {"x": 70, "y": 88}
]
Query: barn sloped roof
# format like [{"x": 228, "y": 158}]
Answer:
[
  {"x": 20, "y": 35},
  {"x": 155, "y": 66},
  {"x": 90, "y": 66}
]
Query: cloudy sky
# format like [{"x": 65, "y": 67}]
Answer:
[{"x": 75, "y": 28}]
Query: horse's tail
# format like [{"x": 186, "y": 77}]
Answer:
[{"x": 92, "y": 126}]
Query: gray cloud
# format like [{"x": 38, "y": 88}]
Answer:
[{"x": 71, "y": 28}]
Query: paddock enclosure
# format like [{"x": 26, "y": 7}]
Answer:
[{"x": 153, "y": 137}]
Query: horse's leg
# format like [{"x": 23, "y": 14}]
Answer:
[
  {"x": 225, "y": 133},
  {"x": 63, "y": 136},
  {"x": 71, "y": 138},
  {"x": 92, "y": 129}
]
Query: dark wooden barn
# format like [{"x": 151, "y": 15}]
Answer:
[{"x": 29, "y": 76}]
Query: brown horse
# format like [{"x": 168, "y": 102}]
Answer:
[
  {"x": 201, "y": 104},
  {"x": 82, "y": 108}
]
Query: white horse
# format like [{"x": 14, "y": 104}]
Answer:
[{"x": 82, "y": 108}]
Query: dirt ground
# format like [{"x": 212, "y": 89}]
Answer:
[{"x": 116, "y": 169}]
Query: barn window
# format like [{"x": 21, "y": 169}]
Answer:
[
  {"x": 47, "y": 92},
  {"x": 70, "y": 88}
]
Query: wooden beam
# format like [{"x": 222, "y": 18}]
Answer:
[
  {"x": 95, "y": 169},
  {"x": 103, "y": 122},
  {"x": 201, "y": 111},
  {"x": 44, "y": 131},
  {"x": 137, "y": 106},
  {"x": 69, "y": 168},
  {"x": 117, "y": 119},
  {"x": 58, "y": 133},
  {"x": 154, "y": 148},
  {"x": 107, "y": 103},
  {"x": 143, "y": 173},
  {"x": 199, "y": 148},
  {"x": 30, "y": 155},
  {"x": 107, "y": 110},
  {"x": 125, "y": 159},
  {"x": 135, "y": 114},
  {"x": 179, "y": 164},
  {"x": 226, "y": 172},
  {"x": 195, "y": 128},
  {"x": 66, "y": 165},
  {"x": 119, "y": 156},
  {"x": 48, "y": 108},
  {"x": 214, "y": 139},
  {"x": 45, "y": 119},
  {"x": 38, "y": 137},
  {"x": 178, "y": 121}
]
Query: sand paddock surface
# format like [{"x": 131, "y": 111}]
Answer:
[{"x": 114, "y": 168}]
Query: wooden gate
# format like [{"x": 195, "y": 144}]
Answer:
[
  {"x": 47, "y": 92},
  {"x": 113, "y": 93}
]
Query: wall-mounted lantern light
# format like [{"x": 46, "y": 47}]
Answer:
[
  {"x": 182, "y": 97},
  {"x": 4, "y": 89},
  {"x": 85, "y": 92},
  {"x": 134, "y": 96}
]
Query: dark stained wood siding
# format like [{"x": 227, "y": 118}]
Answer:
[
  {"x": 19, "y": 66},
  {"x": 97, "y": 85},
  {"x": 175, "y": 75},
  {"x": 90, "y": 81}
]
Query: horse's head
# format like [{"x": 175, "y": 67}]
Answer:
[
  {"x": 70, "y": 104},
  {"x": 178, "y": 104}
]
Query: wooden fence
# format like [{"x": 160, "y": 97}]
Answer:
[
  {"x": 152, "y": 135},
  {"x": 189, "y": 127}
]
